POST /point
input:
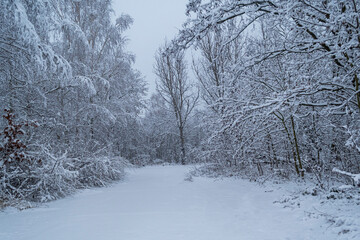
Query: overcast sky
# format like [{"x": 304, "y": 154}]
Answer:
[{"x": 154, "y": 21}]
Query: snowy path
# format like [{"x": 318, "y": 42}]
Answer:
[{"x": 156, "y": 203}]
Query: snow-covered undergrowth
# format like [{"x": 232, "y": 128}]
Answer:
[
  {"x": 214, "y": 170},
  {"x": 57, "y": 178},
  {"x": 336, "y": 203},
  {"x": 339, "y": 206}
]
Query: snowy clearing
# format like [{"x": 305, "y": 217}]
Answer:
[{"x": 156, "y": 203}]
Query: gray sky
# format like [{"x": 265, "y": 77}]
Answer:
[{"x": 154, "y": 21}]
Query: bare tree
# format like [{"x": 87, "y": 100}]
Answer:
[{"x": 174, "y": 87}]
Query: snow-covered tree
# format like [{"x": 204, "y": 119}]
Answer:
[
  {"x": 282, "y": 78},
  {"x": 64, "y": 65},
  {"x": 174, "y": 87}
]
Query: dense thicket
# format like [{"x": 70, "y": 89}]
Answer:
[
  {"x": 64, "y": 65},
  {"x": 280, "y": 81}
]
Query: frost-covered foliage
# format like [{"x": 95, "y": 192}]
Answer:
[
  {"x": 30, "y": 171},
  {"x": 280, "y": 83},
  {"x": 64, "y": 65}
]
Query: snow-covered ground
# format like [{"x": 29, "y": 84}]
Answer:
[{"x": 156, "y": 203}]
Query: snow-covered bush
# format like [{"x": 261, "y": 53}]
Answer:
[
  {"x": 54, "y": 177},
  {"x": 27, "y": 172},
  {"x": 141, "y": 160},
  {"x": 33, "y": 172},
  {"x": 16, "y": 162},
  {"x": 99, "y": 171}
]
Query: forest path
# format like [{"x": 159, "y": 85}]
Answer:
[{"x": 155, "y": 203}]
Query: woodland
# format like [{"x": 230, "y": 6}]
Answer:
[{"x": 272, "y": 92}]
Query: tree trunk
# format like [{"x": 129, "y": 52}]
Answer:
[
  {"x": 282, "y": 119},
  {"x": 301, "y": 170},
  {"x": 356, "y": 80},
  {"x": 182, "y": 142}
]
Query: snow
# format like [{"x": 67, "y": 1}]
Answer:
[{"x": 157, "y": 203}]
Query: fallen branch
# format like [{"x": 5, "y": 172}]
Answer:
[{"x": 355, "y": 177}]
